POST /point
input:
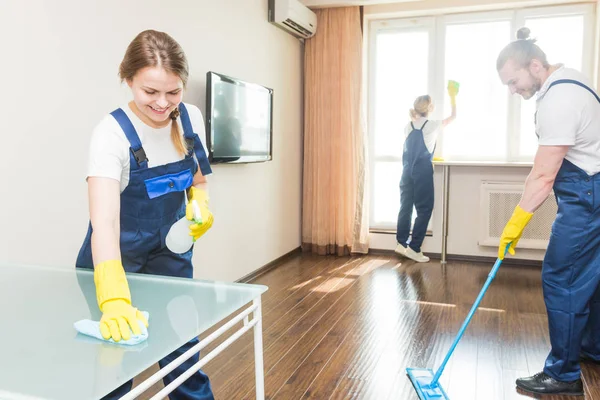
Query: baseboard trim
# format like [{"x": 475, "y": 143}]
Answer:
[
  {"x": 393, "y": 232},
  {"x": 269, "y": 266},
  {"x": 466, "y": 258},
  {"x": 488, "y": 260}
]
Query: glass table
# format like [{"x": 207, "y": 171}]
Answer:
[{"x": 43, "y": 357}]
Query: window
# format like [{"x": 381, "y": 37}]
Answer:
[
  {"x": 565, "y": 45},
  {"x": 411, "y": 57},
  {"x": 397, "y": 80},
  {"x": 471, "y": 49}
]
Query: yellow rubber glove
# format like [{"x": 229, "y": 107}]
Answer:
[
  {"x": 453, "y": 91},
  {"x": 206, "y": 219},
  {"x": 453, "y": 87},
  {"x": 114, "y": 300},
  {"x": 513, "y": 231}
]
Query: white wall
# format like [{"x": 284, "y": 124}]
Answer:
[{"x": 59, "y": 67}]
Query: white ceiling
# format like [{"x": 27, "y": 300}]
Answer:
[{"x": 340, "y": 3}]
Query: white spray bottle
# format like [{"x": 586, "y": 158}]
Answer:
[{"x": 178, "y": 239}]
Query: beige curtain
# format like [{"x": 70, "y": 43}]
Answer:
[{"x": 334, "y": 218}]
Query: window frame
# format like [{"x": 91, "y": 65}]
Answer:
[{"x": 396, "y": 25}]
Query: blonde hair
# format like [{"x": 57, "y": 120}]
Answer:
[
  {"x": 157, "y": 49},
  {"x": 522, "y": 51},
  {"x": 420, "y": 107}
]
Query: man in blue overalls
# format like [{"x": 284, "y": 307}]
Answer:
[{"x": 568, "y": 161}]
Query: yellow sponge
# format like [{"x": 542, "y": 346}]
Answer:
[{"x": 453, "y": 88}]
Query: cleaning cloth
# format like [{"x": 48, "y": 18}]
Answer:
[{"x": 92, "y": 328}]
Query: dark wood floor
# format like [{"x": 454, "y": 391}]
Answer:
[{"x": 346, "y": 328}]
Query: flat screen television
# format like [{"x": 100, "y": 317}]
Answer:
[{"x": 239, "y": 120}]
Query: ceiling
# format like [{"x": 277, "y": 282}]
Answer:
[{"x": 340, "y": 3}]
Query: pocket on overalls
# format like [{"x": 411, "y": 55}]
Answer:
[{"x": 164, "y": 184}]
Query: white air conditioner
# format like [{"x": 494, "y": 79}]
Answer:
[{"x": 294, "y": 17}]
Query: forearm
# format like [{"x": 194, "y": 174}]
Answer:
[
  {"x": 453, "y": 113},
  {"x": 537, "y": 189},
  {"x": 200, "y": 181},
  {"x": 202, "y": 186},
  {"x": 538, "y": 185},
  {"x": 104, "y": 195},
  {"x": 105, "y": 241},
  {"x": 452, "y": 116}
]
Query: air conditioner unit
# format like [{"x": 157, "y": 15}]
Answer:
[{"x": 294, "y": 17}]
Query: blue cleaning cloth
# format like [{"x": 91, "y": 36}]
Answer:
[{"x": 92, "y": 328}]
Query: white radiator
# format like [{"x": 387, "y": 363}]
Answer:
[{"x": 498, "y": 201}]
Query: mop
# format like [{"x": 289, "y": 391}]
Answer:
[{"x": 426, "y": 383}]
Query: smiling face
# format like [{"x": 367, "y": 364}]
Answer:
[
  {"x": 156, "y": 92},
  {"x": 523, "y": 81}
]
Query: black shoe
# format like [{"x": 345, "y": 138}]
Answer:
[{"x": 545, "y": 384}]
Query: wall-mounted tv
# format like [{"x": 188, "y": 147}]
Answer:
[{"x": 239, "y": 120}]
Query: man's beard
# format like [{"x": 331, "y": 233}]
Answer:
[{"x": 537, "y": 85}]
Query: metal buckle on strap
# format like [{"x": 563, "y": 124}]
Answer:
[{"x": 139, "y": 155}]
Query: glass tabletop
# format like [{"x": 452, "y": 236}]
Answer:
[{"x": 43, "y": 357}]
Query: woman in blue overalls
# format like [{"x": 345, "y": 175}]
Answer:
[
  {"x": 134, "y": 201},
  {"x": 416, "y": 184}
]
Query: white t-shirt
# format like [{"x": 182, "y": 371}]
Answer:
[
  {"x": 569, "y": 115},
  {"x": 109, "y": 147},
  {"x": 430, "y": 132}
]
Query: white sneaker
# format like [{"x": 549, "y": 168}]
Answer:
[
  {"x": 413, "y": 255},
  {"x": 400, "y": 249}
]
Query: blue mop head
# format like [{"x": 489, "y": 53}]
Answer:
[{"x": 421, "y": 379}]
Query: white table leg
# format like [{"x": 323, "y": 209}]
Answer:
[
  {"x": 445, "y": 207},
  {"x": 258, "y": 351},
  {"x": 135, "y": 392}
]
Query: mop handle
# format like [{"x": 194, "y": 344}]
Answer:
[{"x": 490, "y": 278}]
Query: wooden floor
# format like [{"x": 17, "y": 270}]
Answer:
[{"x": 346, "y": 328}]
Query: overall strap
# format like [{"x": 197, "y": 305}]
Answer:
[
  {"x": 194, "y": 140},
  {"x": 421, "y": 128},
  {"x": 137, "y": 155},
  {"x": 559, "y": 81}
]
